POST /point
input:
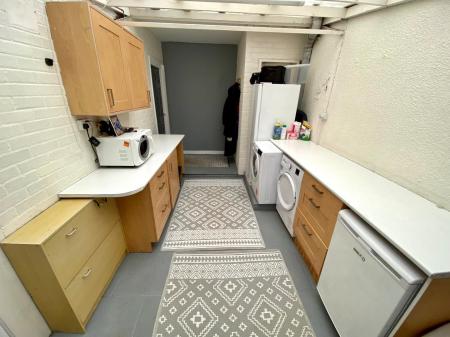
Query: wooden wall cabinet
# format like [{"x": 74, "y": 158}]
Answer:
[
  {"x": 145, "y": 214},
  {"x": 102, "y": 65},
  {"x": 66, "y": 257},
  {"x": 315, "y": 218}
]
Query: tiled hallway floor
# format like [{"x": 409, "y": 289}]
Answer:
[{"x": 130, "y": 304}]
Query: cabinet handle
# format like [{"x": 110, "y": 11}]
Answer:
[
  {"x": 162, "y": 186},
  {"x": 100, "y": 202},
  {"x": 72, "y": 232},
  {"x": 111, "y": 97},
  {"x": 313, "y": 203},
  {"x": 165, "y": 208},
  {"x": 161, "y": 174},
  {"x": 87, "y": 273},
  {"x": 306, "y": 230},
  {"x": 316, "y": 189},
  {"x": 148, "y": 96}
]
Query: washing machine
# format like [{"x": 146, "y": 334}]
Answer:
[
  {"x": 288, "y": 191},
  {"x": 263, "y": 171}
]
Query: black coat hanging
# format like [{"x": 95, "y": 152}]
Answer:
[{"x": 230, "y": 119}]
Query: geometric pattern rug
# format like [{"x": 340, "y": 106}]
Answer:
[
  {"x": 214, "y": 214},
  {"x": 238, "y": 294}
]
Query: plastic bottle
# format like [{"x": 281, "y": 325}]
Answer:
[
  {"x": 283, "y": 132},
  {"x": 277, "y": 130}
]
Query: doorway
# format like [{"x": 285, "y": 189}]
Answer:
[{"x": 157, "y": 99}]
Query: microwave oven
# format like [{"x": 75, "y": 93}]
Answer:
[{"x": 129, "y": 149}]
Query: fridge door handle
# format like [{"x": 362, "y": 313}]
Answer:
[{"x": 382, "y": 262}]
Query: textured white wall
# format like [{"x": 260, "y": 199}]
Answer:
[
  {"x": 255, "y": 48},
  {"x": 388, "y": 103}
]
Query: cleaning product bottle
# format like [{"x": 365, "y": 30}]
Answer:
[
  {"x": 283, "y": 132},
  {"x": 277, "y": 130}
]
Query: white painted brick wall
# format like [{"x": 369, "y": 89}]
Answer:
[
  {"x": 41, "y": 150},
  {"x": 254, "y": 49}
]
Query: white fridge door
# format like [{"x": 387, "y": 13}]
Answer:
[
  {"x": 274, "y": 102},
  {"x": 361, "y": 295}
]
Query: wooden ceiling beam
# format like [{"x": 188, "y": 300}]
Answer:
[
  {"x": 320, "y": 11},
  {"x": 285, "y": 30},
  {"x": 147, "y": 14}
]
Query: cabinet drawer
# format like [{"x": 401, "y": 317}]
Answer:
[
  {"x": 313, "y": 249},
  {"x": 88, "y": 285},
  {"x": 320, "y": 207},
  {"x": 71, "y": 246},
  {"x": 174, "y": 178},
  {"x": 159, "y": 185},
  {"x": 162, "y": 212}
]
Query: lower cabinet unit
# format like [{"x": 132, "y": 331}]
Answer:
[
  {"x": 174, "y": 177},
  {"x": 314, "y": 222},
  {"x": 145, "y": 214},
  {"x": 66, "y": 257}
]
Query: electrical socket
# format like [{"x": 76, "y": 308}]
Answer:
[{"x": 80, "y": 123}]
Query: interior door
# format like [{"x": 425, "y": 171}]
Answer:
[
  {"x": 108, "y": 36},
  {"x": 156, "y": 80},
  {"x": 135, "y": 61}
]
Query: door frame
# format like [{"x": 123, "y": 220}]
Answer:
[{"x": 162, "y": 79}]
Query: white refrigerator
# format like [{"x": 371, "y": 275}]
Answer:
[
  {"x": 272, "y": 103},
  {"x": 365, "y": 283}
]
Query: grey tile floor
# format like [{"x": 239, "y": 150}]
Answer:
[{"x": 130, "y": 304}]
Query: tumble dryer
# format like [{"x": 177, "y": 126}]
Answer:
[
  {"x": 264, "y": 167},
  {"x": 288, "y": 190}
]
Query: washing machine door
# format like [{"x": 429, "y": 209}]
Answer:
[
  {"x": 286, "y": 191},
  {"x": 254, "y": 164}
]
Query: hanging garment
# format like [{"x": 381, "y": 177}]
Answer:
[{"x": 230, "y": 119}]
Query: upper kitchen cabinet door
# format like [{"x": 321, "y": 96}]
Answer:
[
  {"x": 137, "y": 71},
  {"x": 108, "y": 39}
]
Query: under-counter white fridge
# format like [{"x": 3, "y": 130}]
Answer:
[
  {"x": 272, "y": 103},
  {"x": 365, "y": 283}
]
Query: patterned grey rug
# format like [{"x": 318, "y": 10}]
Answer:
[
  {"x": 231, "y": 295},
  {"x": 213, "y": 214},
  {"x": 205, "y": 160}
]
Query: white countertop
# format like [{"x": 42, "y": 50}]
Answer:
[
  {"x": 123, "y": 181},
  {"x": 414, "y": 225}
]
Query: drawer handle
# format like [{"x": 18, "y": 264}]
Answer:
[
  {"x": 165, "y": 208},
  {"x": 111, "y": 97},
  {"x": 161, "y": 174},
  {"x": 162, "y": 186},
  {"x": 313, "y": 203},
  {"x": 305, "y": 228},
  {"x": 316, "y": 189},
  {"x": 100, "y": 202},
  {"x": 87, "y": 273},
  {"x": 72, "y": 232}
]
